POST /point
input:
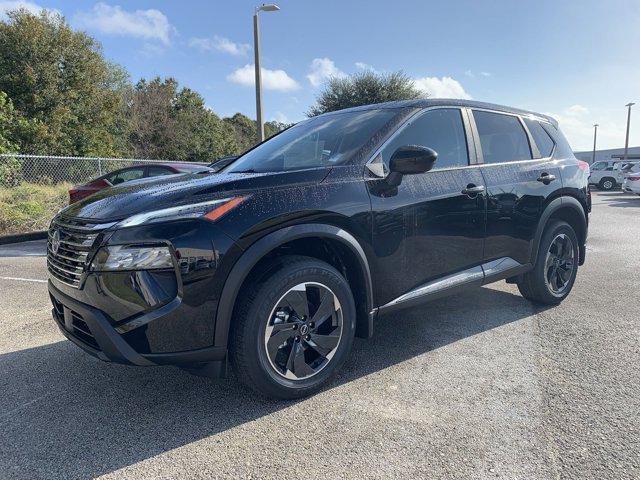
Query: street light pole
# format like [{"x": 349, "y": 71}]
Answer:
[
  {"x": 256, "y": 52},
  {"x": 626, "y": 141},
  {"x": 595, "y": 135}
]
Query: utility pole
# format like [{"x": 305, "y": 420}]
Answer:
[
  {"x": 626, "y": 141},
  {"x": 256, "y": 52},
  {"x": 595, "y": 135}
]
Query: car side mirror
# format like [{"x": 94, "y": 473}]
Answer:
[{"x": 412, "y": 159}]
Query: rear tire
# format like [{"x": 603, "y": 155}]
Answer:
[
  {"x": 293, "y": 328},
  {"x": 556, "y": 267},
  {"x": 607, "y": 183}
]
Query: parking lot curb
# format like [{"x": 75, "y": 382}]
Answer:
[{"x": 23, "y": 237}]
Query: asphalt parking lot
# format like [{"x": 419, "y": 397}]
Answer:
[{"x": 482, "y": 385}]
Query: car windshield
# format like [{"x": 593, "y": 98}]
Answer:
[{"x": 318, "y": 142}]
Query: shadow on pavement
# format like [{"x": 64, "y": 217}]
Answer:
[
  {"x": 621, "y": 199},
  {"x": 34, "y": 248},
  {"x": 65, "y": 414}
]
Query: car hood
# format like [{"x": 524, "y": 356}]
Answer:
[{"x": 149, "y": 194}]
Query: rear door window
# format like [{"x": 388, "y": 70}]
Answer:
[
  {"x": 502, "y": 137},
  {"x": 440, "y": 129},
  {"x": 543, "y": 140}
]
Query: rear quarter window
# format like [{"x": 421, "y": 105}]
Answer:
[
  {"x": 563, "y": 149},
  {"x": 543, "y": 140}
]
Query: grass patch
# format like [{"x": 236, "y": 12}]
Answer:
[{"x": 29, "y": 207}]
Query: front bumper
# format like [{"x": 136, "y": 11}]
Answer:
[
  {"x": 92, "y": 330},
  {"x": 150, "y": 317}
]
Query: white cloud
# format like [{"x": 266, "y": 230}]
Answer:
[
  {"x": 445, "y": 87},
  {"x": 150, "y": 24},
  {"x": 277, "y": 80},
  {"x": 220, "y": 44},
  {"x": 577, "y": 110},
  {"x": 34, "y": 8},
  {"x": 471, "y": 74},
  {"x": 281, "y": 117},
  {"x": 321, "y": 70},
  {"x": 576, "y": 122}
]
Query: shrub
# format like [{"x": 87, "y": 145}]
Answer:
[
  {"x": 29, "y": 207},
  {"x": 10, "y": 171}
]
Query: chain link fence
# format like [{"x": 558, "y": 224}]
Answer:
[
  {"x": 34, "y": 187},
  {"x": 53, "y": 170}
]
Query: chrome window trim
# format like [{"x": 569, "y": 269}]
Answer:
[
  {"x": 472, "y": 135},
  {"x": 531, "y": 140},
  {"x": 417, "y": 114}
]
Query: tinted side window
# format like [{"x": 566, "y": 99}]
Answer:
[
  {"x": 440, "y": 129},
  {"x": 126, "y": 175},
  {"x": 157, "y": 171},
  {"x": 502, "y": 137},
  {"x": 543, "y": 141},
  {"x": 563, "y": 149}
]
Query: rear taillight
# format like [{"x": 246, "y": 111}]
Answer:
[
  {"x": 633, "y": 179},
  {"x": 584, "y": 166}
]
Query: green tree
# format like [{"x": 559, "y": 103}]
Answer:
[
  {"x": 363, "y": 89},
  {"x": 13, "y": 127},
  {"x": 60, "y": 79},
  {"x": 245, "y": 131},
  {"x": 7, "y": 123},
  {"x": 167, "y": 123}
]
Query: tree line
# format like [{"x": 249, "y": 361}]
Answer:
[{"x": 59, "y": 95}]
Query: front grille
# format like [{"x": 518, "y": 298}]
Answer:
[{"x": 77, "y": 237}]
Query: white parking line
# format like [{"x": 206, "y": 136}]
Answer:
[{"x": 24, "y": 279}]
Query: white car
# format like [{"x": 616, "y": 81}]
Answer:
[
  {"x": 632, "y": 183},
  {"x": 605, "y": 175}
]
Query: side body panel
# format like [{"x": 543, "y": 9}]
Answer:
[
  {"x": 517, "y": 195},
  {"x": 515, "y": 202},
  {"x": 425, "y": 228}
]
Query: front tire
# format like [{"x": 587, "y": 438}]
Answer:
[
  {"x": 607, "y": 184},
  {"x": 556, "y": 267},
  {"x": 293, "y": 328}
]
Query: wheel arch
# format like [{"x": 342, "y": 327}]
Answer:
[
  {"x": 343, "y": 252},
  {"x": 568, "y": 209}
]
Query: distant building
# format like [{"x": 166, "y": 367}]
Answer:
[{"x": 611, "y": 154}]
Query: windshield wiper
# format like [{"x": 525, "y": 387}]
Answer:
[{"x": 248, "y": 170}]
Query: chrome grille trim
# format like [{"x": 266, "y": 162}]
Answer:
[{"x": 77, "y": 237}]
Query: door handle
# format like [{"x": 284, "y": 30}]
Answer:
[
  {"x": 546, "y": 178},
  {"x": 473, "y": 189}
]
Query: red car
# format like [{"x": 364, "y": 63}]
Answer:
[{"x": 133, "y": 173}]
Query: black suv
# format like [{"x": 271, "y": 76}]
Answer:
[{"x": 277, "y": 262}]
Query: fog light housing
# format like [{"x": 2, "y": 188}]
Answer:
[{"x": 132, "y": 257}]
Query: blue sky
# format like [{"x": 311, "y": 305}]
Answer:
[{"x": 576, "y": 60}]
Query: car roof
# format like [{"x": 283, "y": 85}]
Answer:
[{"x": 448, "y": 102}]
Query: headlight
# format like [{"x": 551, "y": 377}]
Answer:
[
  {"x": 131, "y": 257},
  {"x": 211, "y": 210}
]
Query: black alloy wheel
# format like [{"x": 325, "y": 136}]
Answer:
[
  {"x": 293, "y": 327},
  {"x": 555, "y": 268},
  {"x": 303, "y": 331},
  {"x": 559, "y": 264}
]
